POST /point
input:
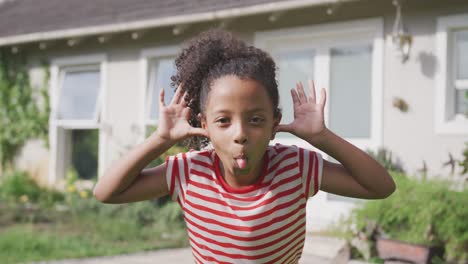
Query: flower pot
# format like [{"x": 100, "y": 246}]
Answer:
[{"x": 389, "y": 249}]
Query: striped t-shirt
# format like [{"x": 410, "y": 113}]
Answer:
[{"x": 260, "y": 223}]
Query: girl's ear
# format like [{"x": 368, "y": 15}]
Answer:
[{"x": 275, "y": 125}]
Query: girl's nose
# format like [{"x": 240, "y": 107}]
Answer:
[{"x": 240, "y": 135}]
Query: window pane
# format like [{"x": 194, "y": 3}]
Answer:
[
  {"x": 461, "y": 47},
  {"x": 161, "y": 72},
  {"x": 79, "y": 94},
  {"x": 293, "y": 66},
  {"x": 85, "y": 152},
  {"x": 461, "y": 102},
  {"x": 350, "y": 91}
]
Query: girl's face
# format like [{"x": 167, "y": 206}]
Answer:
[{"x": 240, "y": 123}]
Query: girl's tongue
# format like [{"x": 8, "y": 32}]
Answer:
[{"x": 241, "y": 162}]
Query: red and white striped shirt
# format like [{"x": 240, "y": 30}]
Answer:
[{"x": 261, "y": 223}]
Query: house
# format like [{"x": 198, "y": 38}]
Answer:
[{"x": 396, "y": 72}]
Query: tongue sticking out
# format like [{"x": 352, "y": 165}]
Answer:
[{"x": 242, "y": 163}]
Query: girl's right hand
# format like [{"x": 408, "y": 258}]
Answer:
[{"x": 173, "y": 122}]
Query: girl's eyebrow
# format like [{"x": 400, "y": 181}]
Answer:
[{"x": 225, "y": 111}]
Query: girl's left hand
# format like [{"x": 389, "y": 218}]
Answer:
[{"x": 308, "y": 120}]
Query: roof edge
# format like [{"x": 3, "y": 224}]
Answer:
[{"x": 161, "y": 22}]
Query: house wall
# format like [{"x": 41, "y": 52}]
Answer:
[{"x": 410, "y": 136}]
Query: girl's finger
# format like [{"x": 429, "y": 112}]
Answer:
[
  {"x": 295, "y": 97},
  {"x": 197, "y": 131},
  {"x": 176, "y": 97},
  {"x": 301, "y": 92},
  {"x": 323, "y": 98},
  {"x": 161, "y": 98},
  {"x": 283, "y": 128},
  {"x": 312, "y": 95},
  {"x": 178, "y": 94},
  {"x": 184, "y": 103}
]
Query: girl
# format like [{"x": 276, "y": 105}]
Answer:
[{"x": 243, "y": 200}]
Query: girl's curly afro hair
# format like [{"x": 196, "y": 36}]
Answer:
[{"x": 211, "y": 55}]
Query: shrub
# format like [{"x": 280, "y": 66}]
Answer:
[
  {"x": 422, "y": 212},
  {"x": 19, "y": 187},
  {"x": 17, "y": 184}
]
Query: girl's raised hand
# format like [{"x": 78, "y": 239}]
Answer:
[
  {"x": 173, "y": 122},
  {"x": 308, "y": 120}
]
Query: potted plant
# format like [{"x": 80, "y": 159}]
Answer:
[
  {"x": 391, "y": 249},
  {"x": 425, "y": 219}
]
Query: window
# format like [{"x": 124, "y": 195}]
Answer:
[
  {"x": 346, "y": 60},
  {"x": 294, "y": 65},
  {"x": 351, "y": 77},
  {"x": 157, "y": 67},
  {"x": 460, "y": 83},
  {"x": 77, "y": 91},
  {"x": 161, "y": 70},
  {"x": 451, "y": 95}
]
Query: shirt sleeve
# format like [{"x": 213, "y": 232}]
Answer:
[
  {"x": 310, "y": 165},
  {"x": 177, "y": 173}
]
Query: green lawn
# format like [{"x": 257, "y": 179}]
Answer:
[
  {"x": 38, "y": 224},
  {"x": 86, "y": 234}
]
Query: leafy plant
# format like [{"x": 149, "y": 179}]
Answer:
[
  {"x": 464, "y": 162},
  {"x": 18, "y": 184},
  {"x": 19, "y": 187},
  {"x": 426, "y": 212},
  {"x": 21, "y": 117}
]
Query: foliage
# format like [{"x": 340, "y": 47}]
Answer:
[
  {"x": 73, "y": 224},
  {"x": 426, "y": 212},
  {"x": 464, "y": 162},
  {"x": 21, "y": 117},
  {"x": 85, "y": 152},
  {"x": 18, "y": 187},
  {"x": 17, "y": 184}
]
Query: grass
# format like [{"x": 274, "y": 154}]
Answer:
[
  {"x": 38, "y": 224},
  {"x": 26, "y": 242},
  {"x": 87, "y": 234}
]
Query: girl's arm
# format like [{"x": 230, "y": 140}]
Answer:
[
  {"x": 358, "y": 175},
  {"x": 127, "y": 180}
]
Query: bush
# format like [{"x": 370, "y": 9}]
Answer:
[
  {"x": 18, "y": 186},
  {"x": 422, "y": 212}
]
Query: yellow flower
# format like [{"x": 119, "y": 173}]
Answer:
[
  {"x": 24, "y": 198},
  {"x": 84, "y": 194},
  {"x": 71, "y": 188}
]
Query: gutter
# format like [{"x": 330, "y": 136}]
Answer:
[{"x": 165, "y": 21}]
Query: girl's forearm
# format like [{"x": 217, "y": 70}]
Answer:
[
  {"x": 363, "y": 168},
  {"x": 123, "y": 172}
]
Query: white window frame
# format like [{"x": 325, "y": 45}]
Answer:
[
  {"x": 57, "y": 128},
  {"x": 146, "y": 58},
  {"x": 445, "y": 75},
  {"x": 324, "y": 37}
]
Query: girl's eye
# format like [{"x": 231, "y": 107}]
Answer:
[
  {"x": 256, "y": 120},
  {"x": 222, "y": 120}
]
